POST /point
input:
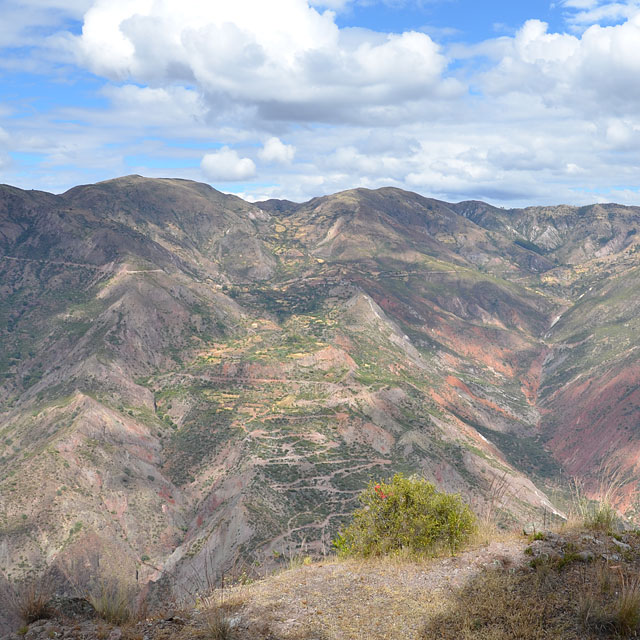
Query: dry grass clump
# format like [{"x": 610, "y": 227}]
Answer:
[
  {"x": 617, "y": 615},
  {"x": 597, "y": 515},
  {"x": 218, "y": 624},
  {"x": 627, "y": 605},
  {"x": 577, "y": 602},
  {"x": 114, "y": 600},
  {"x": 31, "y": 601},
  {"x": 501, "y": 605}
]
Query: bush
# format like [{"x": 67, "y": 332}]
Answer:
[{"x": 406, "y": 513}]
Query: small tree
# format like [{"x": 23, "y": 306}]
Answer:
[{"x": 406, "y": 513}]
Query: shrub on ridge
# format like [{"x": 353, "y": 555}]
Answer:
[{"x": 406, "y": 513}]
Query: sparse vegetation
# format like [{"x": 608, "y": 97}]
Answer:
[
  {"x": 626, "y": 608},
  {"x": 406, "y": 514},
  {"x": 31, "y": 601},
  {"x": 598, "y": 515},
  {"x": 380, "y": 357},
  {"x": 218, "y": 625},
  {"x": 584, "y": 601},
  {"x": 609, "y": 604},
  {"x": 113, "y": 599}
]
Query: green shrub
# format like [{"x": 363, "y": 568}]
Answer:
[
  {"x": 602, "y": 517},
  {"x": 406, "y": 513}
]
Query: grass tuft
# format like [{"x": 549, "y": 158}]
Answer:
[
  {"x": 32, "y": 601},
  {"x": 597, "y": 515},
  {"x": 627, "y": 605},
  {"x": 113, "y": 600},
  {"x": 218, "y": 625}
]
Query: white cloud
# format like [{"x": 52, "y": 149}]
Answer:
[
  {"x": 580, "y": 4},
  {"x": 156, "y": 106},
  {"x": 282, "y": 58},
  {"x": 275, "y": 150},
  {"x": 592, "y": 74},
  {"x": 589, "y": 12},
  {"x": 549, "y": 112},
  {"x": 23, "y": 20},
  {"x": 336, "y": 5},
  {"x": 226, "y": 165}
]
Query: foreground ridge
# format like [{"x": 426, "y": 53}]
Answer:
[{"x": 563, "y": 585}]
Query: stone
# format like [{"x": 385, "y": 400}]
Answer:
[
  {"x": 72, "y": 607},
  {"x": 621, "y": 545}
]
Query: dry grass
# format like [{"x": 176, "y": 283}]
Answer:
[
  {"x": 501, "y": 605},
  {"x": 487, "y": 593},
  {"x": 31, "y": 601},
  {"x": 627, "y": 605},
  {"x": 597, "y": 515},
  {"x": 382, "y": 598},
  {"x": 617, "y": 615},
  {"x": 578, "y": 602},
  {"x": 218, "y": 625},
  {"x": 114, "y": 600}
]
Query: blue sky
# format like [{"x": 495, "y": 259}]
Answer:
[
  {"x": 456, "y": 19},
  {"x": 515, "y": 103}
]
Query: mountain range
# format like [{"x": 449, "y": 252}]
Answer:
[{"x": 189, "y": 380}]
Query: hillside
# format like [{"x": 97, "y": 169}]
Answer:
[
  {"x": 574, "y": 584},
  {"x": 188, "y": 379}
]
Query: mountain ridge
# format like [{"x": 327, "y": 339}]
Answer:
[{"x": 197, "y": 379}]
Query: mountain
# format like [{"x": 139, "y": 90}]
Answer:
[{"x": 189, "y": 380}]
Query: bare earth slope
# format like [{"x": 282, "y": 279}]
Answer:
[{"x": 190, "y": 379}]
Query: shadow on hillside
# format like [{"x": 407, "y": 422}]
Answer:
[
  {"x": 572, "y": 602},
  {"x": 9, "y": 617}
]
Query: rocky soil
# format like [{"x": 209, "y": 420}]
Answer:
[{"x": 378, "y": 598}]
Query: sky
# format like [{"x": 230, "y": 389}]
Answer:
[{"x": 515, "y": 103}]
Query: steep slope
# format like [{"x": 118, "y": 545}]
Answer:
[
  {"x": 589, "y": 379},
  {"x": 191, "y": 380}
]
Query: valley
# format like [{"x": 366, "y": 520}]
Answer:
[{"x": 189, "y": 380}]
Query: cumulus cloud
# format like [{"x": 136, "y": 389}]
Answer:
[
  {"x": 549, "y": 113},
  {"x": 226, "y": 165},
  {"x": 275, "y": 150},
  {"x": 582, "y": 73},
  {"x": 278, "y": 57}
]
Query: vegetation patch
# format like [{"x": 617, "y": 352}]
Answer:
[{"x": 406, "y": 514}]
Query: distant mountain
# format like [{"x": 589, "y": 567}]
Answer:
[{"x": 188, "y": 379}]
